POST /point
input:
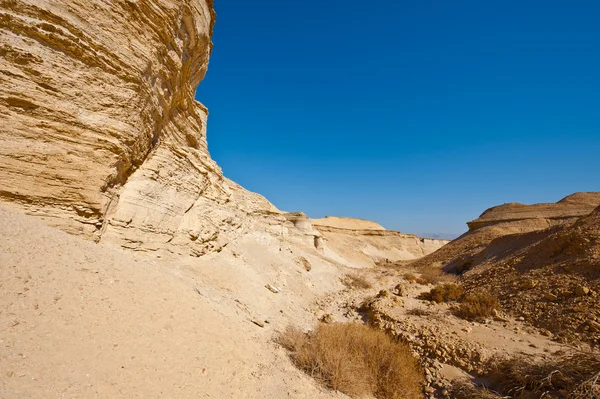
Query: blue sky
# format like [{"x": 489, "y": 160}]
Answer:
[{"x": 418, "y": 115}]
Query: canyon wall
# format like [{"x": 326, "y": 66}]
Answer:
[
  {"x": 362, "y": 242},
  {"x": 100, "y": 133}
]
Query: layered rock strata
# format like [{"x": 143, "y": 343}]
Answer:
[
  {"x": 100, "y": 133},
  {"x": 365, "y": 242}
]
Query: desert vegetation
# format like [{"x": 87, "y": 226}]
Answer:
[
  {"x": 447, "y": 292},
  {"x": 354, "y": 281},
  {"x": 477, "y": 306},
  {"x": 355, "y": 359},
  {"x": 470, "y": 307},
  {"x": 435, "y": 275},
  {"x": 574, "y": 375}
]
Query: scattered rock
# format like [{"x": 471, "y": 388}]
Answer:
[
  {"x": 400, "y": 290},
  {"x": 594, "y": 326},
  {"x": 273, "y": 289},
  {"x": 529, "y": 284},
  {"x": 258, "y": 323},
  {"x": 550, "y": 297},
  {"x": 306, "y": 264}
]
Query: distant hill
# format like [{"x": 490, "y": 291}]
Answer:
[{"x": 542, "y": 261}]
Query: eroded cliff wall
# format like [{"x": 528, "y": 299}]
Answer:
[
  {"x": 90, "y": 91},
  {"x": 100, "y": 132}
]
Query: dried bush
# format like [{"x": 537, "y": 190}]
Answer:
[
  {"x": 577, "y": 374},
  {"x": 357, "y": 360},
  {"x": 574, "y": 375},
  {"x": 434, "y": 275},
  {"x": 354, "y": 281},
  {"x": 477, "y": 306},
  {"x": 447, "y": 292},
  {"x": 410, "y": 277},
  {"x": 464, "y": 390},
  {"x": 418, "y": 312}
]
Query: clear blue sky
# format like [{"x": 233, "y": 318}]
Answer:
[{"x": 416, "y": 114}]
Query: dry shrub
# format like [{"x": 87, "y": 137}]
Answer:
[
  {"x": 356, "y": 282},
  {"x": 444, "y": 293},
  {"x": 464, "y": 390},
  {"x": 305, "y": 263},
  {"x": 434, "y": 275},
  {"x": 418, "y": 312},
  {"x": 410, "y": 277},
  {"x": 357, "y": 360},
  {"x": 477, "y": 306},
  {"x": 577, "y": 375}
]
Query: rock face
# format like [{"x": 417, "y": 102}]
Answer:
[
  {"x": 100, "y": 133},
  {"x": 507, "y": 220},
  {"x": 364, "y": 242},
  {"x": 573, "y": 206},
  {"x": 550, "y": 278},
  {"x": 347, "y": 223}
]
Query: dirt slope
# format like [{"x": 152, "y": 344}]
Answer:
[
  {"x": 506, "y": 220},
  {"x": 83, "y": 320},
  {"x": 541, "y": 261},
  {"x": 551, "y": 278}
]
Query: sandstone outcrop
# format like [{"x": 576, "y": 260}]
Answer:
[
  {"x": 565, "y": 210},
  {"x": 93, "y": 91},
  {"x": 347, "y": 223},
  {"x": 100, "y": 134},
  {"x": 507, "y": 220},
  {"x": 550, "y": 278},
  {"x": 364, "y": 242}
]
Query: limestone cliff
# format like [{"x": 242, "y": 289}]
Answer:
[
  {"x": 100, "y": 133},
  {"x": 363, "y": 242}
]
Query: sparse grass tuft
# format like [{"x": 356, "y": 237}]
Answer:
[
  {"x": 418, "y": 312},
  {"x": 464, "y": 390},
  {"x": 574, "y": 375},
  {"x": 410, "y": 277},
  {"x": 477, "y": 306},
  {"x": 447, "y": 292},
  {"x": 357, "y": 360},
  {"x": 433, "y": 275},
  {"x": 354, "y": 281}
]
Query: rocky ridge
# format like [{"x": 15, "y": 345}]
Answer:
[
  {"x": 541, "y": 261},
  {"x": 364, "y": 242},
  {"x": 506, "y": 220}
]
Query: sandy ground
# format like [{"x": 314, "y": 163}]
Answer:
[{"x": 80, "y": 320}]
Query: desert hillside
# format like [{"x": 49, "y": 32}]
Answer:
[
  {"x": 172, "y": 280},
  {"x": 540, "y": 260},
  {"x": 84, "y": 320},
  {"x": 131, "y": 267},
  {"x": 509, "y": 219}
]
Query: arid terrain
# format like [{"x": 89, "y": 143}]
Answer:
[{"x": 131, "y": 267}]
